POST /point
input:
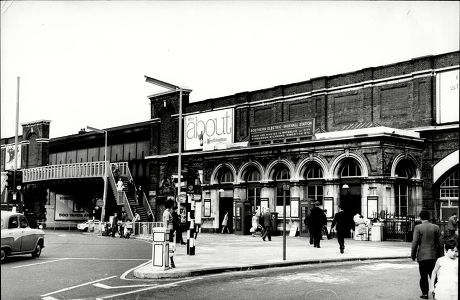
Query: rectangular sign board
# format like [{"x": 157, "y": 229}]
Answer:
[
  {"x": 209, "y": 128},
  {"x": 284, "y": 130}
]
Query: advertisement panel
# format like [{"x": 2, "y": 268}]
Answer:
[
  {"x": 68, "y": 209},
  {"x": 210, "y": 128},
  {"x": 10, "y": 155},
  {"x": 447, "y": 97}
]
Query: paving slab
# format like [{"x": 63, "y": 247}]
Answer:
[{"x": 218, "y": 253}]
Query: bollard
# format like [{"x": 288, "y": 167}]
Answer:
[
  {"x": 160, "y": 248},
  {"x": 191, "y": 231}
]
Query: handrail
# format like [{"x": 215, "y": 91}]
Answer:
[{"x": 145, "y": 201}]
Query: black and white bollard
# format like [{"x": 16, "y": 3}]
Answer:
[{"x": 191, "y": 231}]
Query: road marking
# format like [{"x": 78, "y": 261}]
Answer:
[
  {"x": 39, "y": 263},
  {"x": 123, "y": 276},
  {"x": 50, "y": 298},
  {"x": 76, "y": 286},
  {"x": 108, "y": 287},
  {"x": 149, "y": 288}
]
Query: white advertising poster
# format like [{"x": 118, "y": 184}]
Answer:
[
  {"x": 447, "y": 97},
  {"x": 67, "y": 209},
  {"x": 10, "y": 155},
  {"x": 208, "y": 129}
]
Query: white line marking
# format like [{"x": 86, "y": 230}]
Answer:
[
  {"x": 150, "y": 288},
  {"x": 76, "y": 286},
  {"x": 108, "y": 287},
  {"x": 123, "y": 276},
  {"x": 50, "y": 298},
  {"x": 39, "y": 263}
]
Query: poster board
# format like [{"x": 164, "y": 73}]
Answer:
[{"x": 293, "y": 230}]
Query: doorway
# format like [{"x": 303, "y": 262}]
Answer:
[
  {"x": 350, "y": 198},
  {"x": 226, "y": 205}
]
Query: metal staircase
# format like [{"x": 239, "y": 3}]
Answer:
[{"x": 95, "y": 169}]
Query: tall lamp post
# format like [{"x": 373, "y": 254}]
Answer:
[
  {"x": 173, "y": 87},
  {"x": 106, "y": 164}
]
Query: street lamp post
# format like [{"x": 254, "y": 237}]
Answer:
[
  {"x": 106, "y": 167},
  {"x": 173, "y": 87}
]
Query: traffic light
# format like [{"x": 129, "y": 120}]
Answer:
[
  {"x": 18, "y": 183},
  {"x": 10, "y": 180},
  {"x": 191, "y": 178}
]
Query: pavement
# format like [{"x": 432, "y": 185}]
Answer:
[{"x": 219, "y": 253}]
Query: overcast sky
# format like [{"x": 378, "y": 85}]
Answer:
[{"x": 83, "y": 62}]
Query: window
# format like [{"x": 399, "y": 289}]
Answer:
[
  {"x": 283, "y": 192},
  {"x": 405, "y": 169},
  {"x": 13, "y": 222},
  {"x": 23, "y": 222},
  {"x": 253, "y": 195},
  {"x": 401, "y": 199},
  {"x": 350, "y": 169},
  {"x": 252, "y": 175},
  {"x": 315, "y": 192},
  {"x": 449, "y": 195},
  {"x": 226, "y": 176},
  {"x": 314, "y": 171}
]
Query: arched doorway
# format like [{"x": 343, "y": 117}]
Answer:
[
  {"x": 225, "y": 180},
  {"x": 350, "y": 183}
]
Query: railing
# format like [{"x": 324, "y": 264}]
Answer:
[
  {"x": 58, "y": 225},
  {"x": 145, "y": 229},
  {"x": 64, "y": 171},
  {"x": 397, "y": 227}
]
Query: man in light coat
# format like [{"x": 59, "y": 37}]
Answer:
[{"x": 426, "y": 248}]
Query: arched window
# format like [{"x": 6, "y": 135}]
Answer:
[
  {"x": 226, "y": 176},
  {"x": 252, "y": 175},
  {"x": 350, "y": 169},
  {"x": 283, "y": 192},
  {"x": 405, "y": 169},
  {"x": 449, "y": 196},
  {"x": 314, "y": 171}
]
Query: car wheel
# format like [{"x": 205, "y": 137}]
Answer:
[
  {"x": 37, "y": 251},
  {"x": 3, "y": 255}
]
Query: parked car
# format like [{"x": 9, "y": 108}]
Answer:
[
  {"x": 85, "y": 226},
  {"x": 18, "y": 238}
]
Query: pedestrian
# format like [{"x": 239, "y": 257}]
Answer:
[
  {"x": 267, "y": 225},
  {"x": 343, "y": 223},
  {"x": 225, "y": 222},
  {"x": 452, "y": 225},
  {"x": 426, "y": 249},
  {"x": 116, "y": 172},
  {"x": 254, "y": 224},
  {"x": 168, "y": 221},
  {"x": 176, "y": 226},
  {"x": 120, "y": 186},
  {"x": 324, "y": 230},
  {"x": 318, "y": 220},
  {"x": 139, "y": 195},
  {"x": 114, "y": 224},
  {"x": 124, "y": 219},
  {"x": 444, "y": 278},
  {"x": 308, "y": 226},
  {"x": 149, "y": 216},
  {"x": 136, "y": 219}
]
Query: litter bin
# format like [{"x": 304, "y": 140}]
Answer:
[
  {"x": 377, "y": 232},
  {"x": 274, "y": 223},
  {"x": 160, "y": 248}
]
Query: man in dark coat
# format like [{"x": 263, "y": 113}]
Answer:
[
  {"x": 267, "y": 224},
  {"x": 343, "y": 223},
  {"x": 177, "y": 227},
  {"x": 426, "y": 248},
  {"x": 317, "y": 221},
  {"x": 114, "y": 224}
]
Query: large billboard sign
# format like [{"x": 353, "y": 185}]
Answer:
[
  {"x": 10, "y": 156},
  {"x": 207, "y": 129},
  {"x": 447, "y": 97},
  {"x": 67, "y": 209},
  {"x": 280, "y": 131}
]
